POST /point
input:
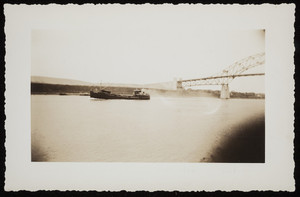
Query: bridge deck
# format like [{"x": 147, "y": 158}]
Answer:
[{"x": 224, "y": 76}]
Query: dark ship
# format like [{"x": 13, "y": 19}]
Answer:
[{"x": 104, "y": 94}]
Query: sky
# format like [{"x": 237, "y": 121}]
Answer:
[{"x": 122, "y": 48}]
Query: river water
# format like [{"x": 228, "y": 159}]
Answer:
[{"x": 163, "y": 129}]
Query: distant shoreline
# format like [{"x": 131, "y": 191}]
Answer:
[
  {"x": 82, "y": 90},
  {"x": 60, "y": 94}
]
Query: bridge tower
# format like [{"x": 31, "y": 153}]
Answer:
[
  {"x": 225, "y": 93},
  {"x": 179, "y": 85}
]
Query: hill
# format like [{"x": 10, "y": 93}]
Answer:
[{"x": 61, "y": 81}]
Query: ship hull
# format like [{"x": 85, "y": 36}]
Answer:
[{"x": 104, "y": 95}]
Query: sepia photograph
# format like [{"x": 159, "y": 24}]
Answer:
[
  {"x": 113, "y": 97},
  {"x": 147, "y": 92}
]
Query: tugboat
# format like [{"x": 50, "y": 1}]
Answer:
[{"x": 104, "y": 94}]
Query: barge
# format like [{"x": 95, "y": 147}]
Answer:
[{"x": 104, "y": 94}]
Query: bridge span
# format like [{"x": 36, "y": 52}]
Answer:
[{"x": 227, "y": 75}]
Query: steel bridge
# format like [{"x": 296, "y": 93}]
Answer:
[{"x": 227, "y": 75}]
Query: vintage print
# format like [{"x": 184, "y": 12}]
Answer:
[
  {"x": 187, "y": 97},
  {"x": 147, "y": 93}
]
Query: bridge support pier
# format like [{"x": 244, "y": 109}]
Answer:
[{"x": 225, "y": 94}]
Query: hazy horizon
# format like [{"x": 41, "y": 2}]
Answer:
[
  {"x": 207, "y": 87},
  {"x": 116, "y": 47}
]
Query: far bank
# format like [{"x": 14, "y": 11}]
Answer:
[{"x": 84, "y": 90}]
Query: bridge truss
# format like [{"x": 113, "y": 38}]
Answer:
[{"x": 228, "y": 74}]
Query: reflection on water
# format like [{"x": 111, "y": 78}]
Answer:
[{"x": 78, "y": 128}]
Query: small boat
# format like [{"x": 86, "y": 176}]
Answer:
[{"x": 104, "y": 94}]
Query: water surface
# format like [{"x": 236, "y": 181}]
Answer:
[{"x": 78, "y": 128}]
